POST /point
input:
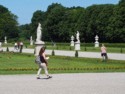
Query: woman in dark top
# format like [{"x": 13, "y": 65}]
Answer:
[{"x": 43, "y": 64}]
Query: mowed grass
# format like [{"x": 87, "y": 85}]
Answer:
[
  {"x": 89, "y": 49},
  {"x": 16, "y": 63}
]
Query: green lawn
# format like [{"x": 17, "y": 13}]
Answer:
[
  {"x": 89, "y": 49},
  {"x": 16, "y": 63}
]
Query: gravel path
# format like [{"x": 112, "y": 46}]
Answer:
[
  {"x": 115, "y": 56},
  {"x": 81, "y": 83}
]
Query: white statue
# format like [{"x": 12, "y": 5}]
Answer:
[
  {"x": 39, "y": 43},
  {"x": 31, "y": 41},
  {"x": 77, "y": 36},
  {"x": 31, "y": 38},
  {"x": 77, "y": 43},
  {"x": 0, "y": 44},
  {"x": 39, "y": 33}
]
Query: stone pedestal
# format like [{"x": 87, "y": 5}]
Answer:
[
  {"x": 39, "y": 45},
  {"x": 72, "y": 43},
  {"x": 1, "y": 47},
  {"x": 31, "y": 42},
  {"x": 96, "y": 44},
  {"x": 77, "y": 45},
  {"x": 96, "y": 41},
  {"x": 5, "y": 41}
]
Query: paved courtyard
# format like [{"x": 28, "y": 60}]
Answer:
[{"x": 81, "y": 83}]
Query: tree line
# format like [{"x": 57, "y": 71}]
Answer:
[
  {"x": 8, "y": 24},
  {"x": 59, "y": 23}
]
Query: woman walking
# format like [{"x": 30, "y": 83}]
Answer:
[{"x": 43, "y": 64}]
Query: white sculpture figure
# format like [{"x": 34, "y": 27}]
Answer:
[
  {"x": 96, "y": 41},
  {"x": 31, "y": 38},
  {"x": 77, "y": 43},
  {"x": 77, "y": 36},
  {"x": 5, "y": 40},
  {"x": 39, "y": 33},
  {"x": 31, "y": 41}
]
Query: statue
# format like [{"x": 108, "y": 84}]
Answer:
[
  {"x": 39, "y": 33},
  {"x": 31, "y": 38},
  {"x": 77, "y": 43},
  {"x": 39, "y": 43},
  {"x": 77, "y": 36},
  {"x": 31, "y": 41}
]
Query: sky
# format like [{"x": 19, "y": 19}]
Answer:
[{"x": 24, "y": 9}]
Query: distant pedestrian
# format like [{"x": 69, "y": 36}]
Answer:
[
  {"x": 21, "y": 47},
  {"x": 104, "y": 53},
  {"x": 18, "y": 44},
  {"x": 15, "y": 46},
  {"x": 43, "y": 64}
]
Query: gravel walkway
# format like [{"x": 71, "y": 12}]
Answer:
[
  {"x": 81, "y": 83},
  {"x": 115, "y": 56}
]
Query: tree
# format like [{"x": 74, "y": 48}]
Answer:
[
  {"x": 103, "y": 21},
  {"x": 25, "y": 32},
  {"x": 38, "y": 17},
  {"x": 116, "y": 25},
  {"x": 8, "y": 24},
  {"x": 92, "y": 14},
  {"x": 73, "y": 20},
  {"x": 53, "y": 21}
]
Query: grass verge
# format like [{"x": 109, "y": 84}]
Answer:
[{"x": 19, "y": 63}]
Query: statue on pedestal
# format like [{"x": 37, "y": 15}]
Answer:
[
  {"x": 39, "y": 33},
  {"x": 39, "y": 43}
]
